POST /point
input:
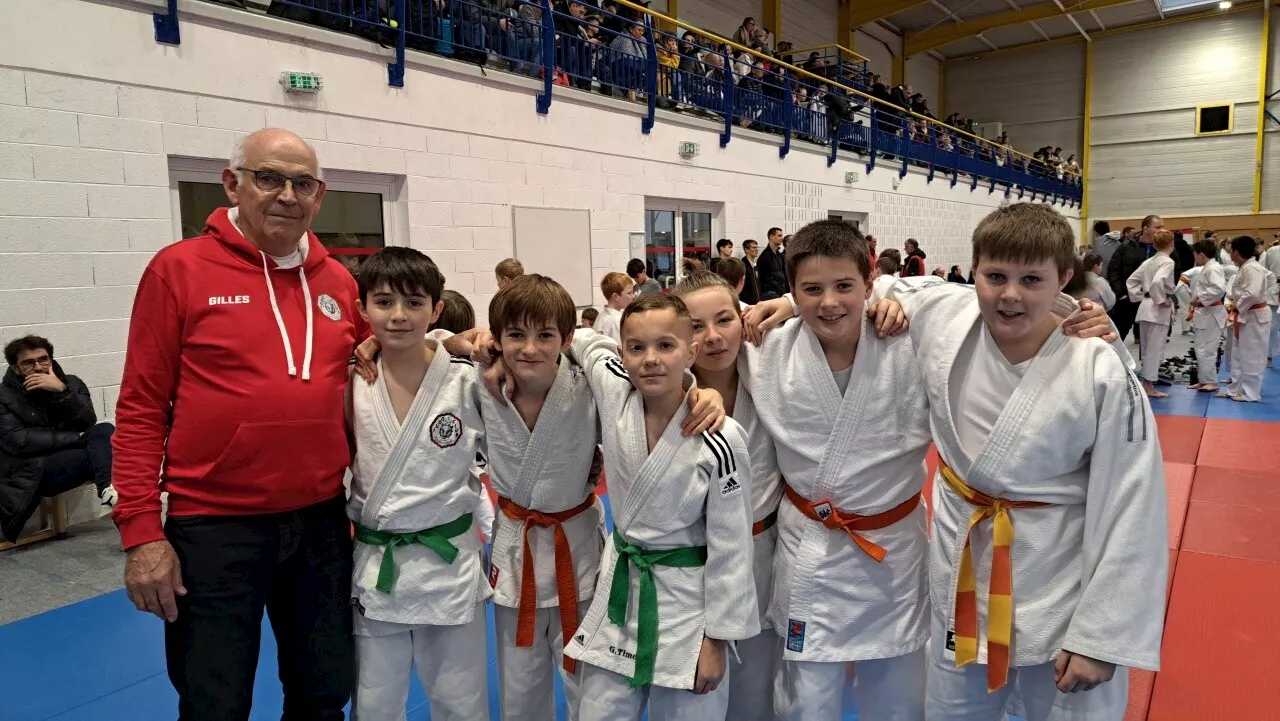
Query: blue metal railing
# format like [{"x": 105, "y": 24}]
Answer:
[{"x": 623, "y": 55}]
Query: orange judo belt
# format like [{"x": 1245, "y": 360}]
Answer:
[
  {"x": 566, "y": 580},
  {"x": 851, "y": 523},
  {"x": 1000, "y": 592},
  {"x": 1234, "y": 317},
  {"x": 1197, "y": 304}
]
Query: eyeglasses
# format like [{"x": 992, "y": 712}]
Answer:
[
  {"x": 33, "y": 363},
  {"x": 270, "y": 181}
]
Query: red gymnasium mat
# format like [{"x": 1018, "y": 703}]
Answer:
[
  {"x": 1246, "y": 445},
  {"x": 1245, "y": 532},
  {"x": 1219, "y": 642},
  {"x": 1180, "y": 437},
  {"x": 1177, "y": 481},
  {"x": 1237, "y": 487}
]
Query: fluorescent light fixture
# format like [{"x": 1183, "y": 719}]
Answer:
[{"x": 1224, "y": 5}]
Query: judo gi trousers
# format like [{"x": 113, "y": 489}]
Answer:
[
  {"x": 607, "y": 696},
  {"x": 751, "y": 693},
  {"x": 1152, "y": 337},
  {"x": 1250, "y": 357},
  {"x": 960, "y": 694},
  {"x": 526, "y": 676},
  {"x": 884, "y": 689},
  {"x": 1207, "y": 341},
  {"x": 452, "y": 667}
]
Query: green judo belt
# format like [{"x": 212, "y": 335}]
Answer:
[
  {"x": 436, "y": 538},
  {"x": 619, "y": 592}
]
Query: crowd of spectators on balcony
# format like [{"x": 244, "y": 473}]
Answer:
[{"x": 605, "y": 47}]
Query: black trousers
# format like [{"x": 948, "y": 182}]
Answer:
[
  {"x": 1123, "y": 314},
  {"x": 90, "y": 462},
  {"x": 296, "y": 565}
]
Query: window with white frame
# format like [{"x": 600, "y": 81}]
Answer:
[{"x": 354, "y": 221}]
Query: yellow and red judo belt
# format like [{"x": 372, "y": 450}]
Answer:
[{"x": 1000, "y": 591}]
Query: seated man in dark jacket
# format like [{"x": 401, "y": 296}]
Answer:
[{"x": 50, "y": 440}]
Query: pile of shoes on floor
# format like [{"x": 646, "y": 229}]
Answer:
[{"x": 1179, "y": 370}]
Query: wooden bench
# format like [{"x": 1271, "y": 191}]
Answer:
[{"x": 53, "y": 522}]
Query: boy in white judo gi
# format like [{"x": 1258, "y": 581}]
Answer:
[
  {"x": 1207, "y": 314},
  {"x": 618, "y": 291},
  {"x": 717, "y": 328},
  {"x": 1052, "y": 437},
  {"x": 418, "y": 583},
  {"x": 1248, "y": 307},
  {"x": 1099, "y": 290},
  {"x": 547, "y": 537},
  {"x": 848, "y": 414},
  {"x": 1152, "y": 286},
  {"x": 675, "y": 587}
]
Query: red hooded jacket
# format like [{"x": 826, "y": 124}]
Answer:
[{"x": 234, "y": 382}]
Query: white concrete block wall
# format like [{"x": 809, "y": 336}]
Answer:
[{"x": 85, "y": 163}]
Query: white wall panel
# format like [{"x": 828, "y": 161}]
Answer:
[
  {"x": 1037, "y": 94},
  {"x": 1271, "y": 171},
  {"x": 1177, "y": 66},
  {"x": 879, "y": 46},
  {"x": 809, "y": 23},
  {"x": 721, "y": 17},
  {"x": 1133, "y": 180},
  {"x": 924, "y": 73},
  {"x": 1146, "y": 157}
]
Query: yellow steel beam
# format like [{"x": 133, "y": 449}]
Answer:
[
  {"x": 1262, "y": 107},
  {"x": 771, "y": 17},
  {"x": 900, "y": 70},
  {"x": 673, "y": 10},
  {"x": 943, "y": 34},
  {"x": 844, "y": 24},
  {"x": 861, "y": 13}
]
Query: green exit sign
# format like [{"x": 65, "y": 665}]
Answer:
[{"x": 300, "y": 82}]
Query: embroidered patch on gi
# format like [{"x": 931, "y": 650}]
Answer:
[
  {"x": 446, "y": 430},
  {"x": 822, "y": 509},
  {"x": 580, "y": 639},
  {"x": 730, "y": 486},
  {"x": 795, "y": 635},
  {"x": 329, "y": 307},
  {"x": 493, "y": 576},
  {"x": 355, "y": 603},
  {"x": 951, "y": 641}
]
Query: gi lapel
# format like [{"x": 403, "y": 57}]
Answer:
[
  {"x": 843, "y": 410},
  {"x": 648, "y": 478},
  {"x": 1012, "y": 422},
  {"x": 554, "y": 408},
  {"x": 948, "y": 339},
  {"x": 402, "y": 438}
]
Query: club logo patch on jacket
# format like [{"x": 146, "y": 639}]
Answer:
[
  {"x": 329, "y": 307},
  {"x": 446, "y": 430}
]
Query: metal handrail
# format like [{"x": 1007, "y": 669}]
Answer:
[
  {"x": 827, "y": 81},
  {"x": 828, "y": 46}
]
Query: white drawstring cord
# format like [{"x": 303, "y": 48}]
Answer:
[
  {"x": 306, "y": 299},
  {"x": 275, "y": 308}
]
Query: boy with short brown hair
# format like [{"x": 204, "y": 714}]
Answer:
[
  {"x": 547, "y": 534},
  {"x": 675, "y": 586},
  {"x": 507, "y": 271},
  {"x": 1051, "y": 436},
  {"x": 618, "y": 291}
]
